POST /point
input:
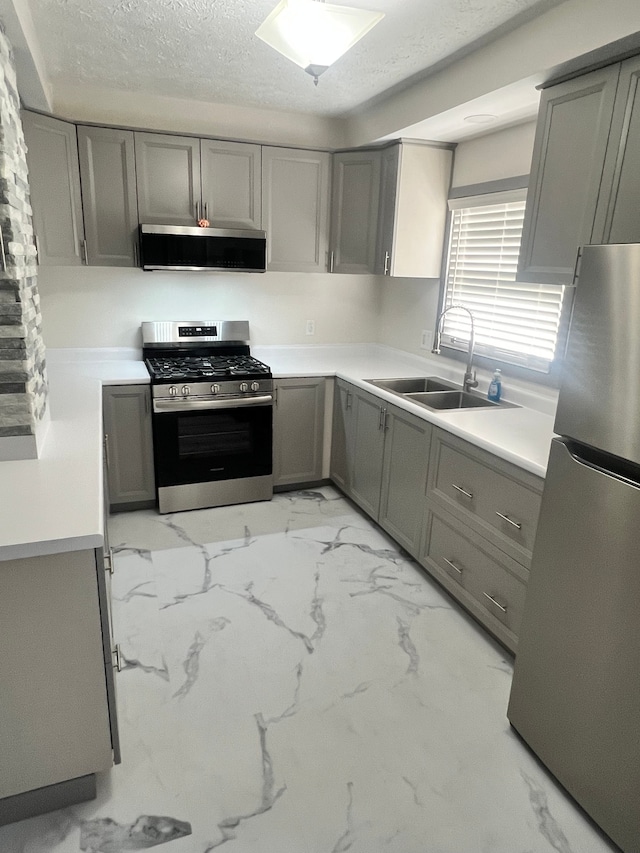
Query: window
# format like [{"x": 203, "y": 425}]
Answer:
[{"x": 515, "y": 322}]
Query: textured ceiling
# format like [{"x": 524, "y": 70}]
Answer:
[{"x": 207, "y": 50}]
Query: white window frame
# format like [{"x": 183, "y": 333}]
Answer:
[{"x": 466, "y": 282}]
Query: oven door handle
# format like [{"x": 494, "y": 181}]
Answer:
[{"x": 202, "y": 405}]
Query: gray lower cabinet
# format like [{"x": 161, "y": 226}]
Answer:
[
  {"x": 479, "y": 530},
  {"x": 298, "y": 430},
  {"x": 54, "y": 182},
  {"x": 168, "y": 178},
  {"x": 129, "y": 445},
  {"x": 57, "y": 726},
  {"x": 380, "y": 458},
  {"x": 108, "y": 176},
  {"x": 341, "y": 429},
  {"x": 295, "y": 208},
  {"x": 354, "y": 211}
]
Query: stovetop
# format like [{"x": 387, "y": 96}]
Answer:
[{"x": 171, "y": 368}]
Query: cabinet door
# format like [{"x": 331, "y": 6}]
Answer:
[
  {"x": 404, "y": 479},
  {"x": 354, "y": 211},
  {"x": 231, "y": 186},
  {"x": 54, "y": 181},
  {"x": 54, "y": 719},
  {"x": 367, "y": 451},
  {"x": 341, "y": 434},
  {"x": 618, "y": 217},
  {"x": 108, "y": 174},
  {"x": 298, "y": 431},
  {"x": 568, "y": 160},
  {"x": 295, "y": 209},
  {"x": 167, "y": 178},
  {"x": 390, "y": 161},
  {"x": 129, "y": 443}
]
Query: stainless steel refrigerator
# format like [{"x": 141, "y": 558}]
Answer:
[{"x": 575, "y": 697}]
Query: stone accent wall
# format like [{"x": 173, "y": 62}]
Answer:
[{"x": 23, "y": 381}]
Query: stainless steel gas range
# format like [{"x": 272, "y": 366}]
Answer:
[{"x": 212, "y": 414}]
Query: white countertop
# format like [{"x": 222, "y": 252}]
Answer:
[{"x": 54, "y": 503}]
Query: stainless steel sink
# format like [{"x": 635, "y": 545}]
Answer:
[
  {"x": 432, "y": 392},
  {"x": 451, "y": 400},
  {"x": 420, "y": 384}
]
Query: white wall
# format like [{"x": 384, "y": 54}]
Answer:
[
  {"x": 564, "y": 32},
  {"x": 83, "y": 103},
  {"x": 504, "y": 154},
  {"x": 407, "y": 307},
  {"x": 102, "y": 306}
]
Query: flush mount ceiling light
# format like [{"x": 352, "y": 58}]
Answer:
[{"x": 313, "y": 34}]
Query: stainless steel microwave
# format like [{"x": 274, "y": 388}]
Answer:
[{"x": 178, "y": 247}]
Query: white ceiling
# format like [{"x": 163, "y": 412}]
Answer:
[{"x": 206, "y": 49}]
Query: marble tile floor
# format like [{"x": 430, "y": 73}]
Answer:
[{"x": 293, "y": 683}]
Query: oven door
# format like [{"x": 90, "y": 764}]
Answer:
[{"x": 202, "y": 444}]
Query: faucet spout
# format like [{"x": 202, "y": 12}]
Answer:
[{"x": 470, "y": 380}]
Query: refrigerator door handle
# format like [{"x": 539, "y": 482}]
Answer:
[{"x": 611, "y": 466}]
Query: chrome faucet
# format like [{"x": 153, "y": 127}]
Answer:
[{"x": 470, "y": 380}]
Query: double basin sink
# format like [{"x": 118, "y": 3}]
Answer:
[{"x": 435, "y": 393}]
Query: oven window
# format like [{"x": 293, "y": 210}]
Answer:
[
  {"x": 221, "y": 433},
  {"x": 217, "y": 444}
]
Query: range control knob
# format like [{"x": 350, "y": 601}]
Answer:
[
  {"x": 215, "y": 389},
  {"x": 172, "y": 390},
  {"x": 186, "y": 390},
  {"x": 244, "y": 387},
  {"x": 255, "y": 386}
]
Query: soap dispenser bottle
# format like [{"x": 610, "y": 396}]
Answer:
[{"x": 495, "y": 387}]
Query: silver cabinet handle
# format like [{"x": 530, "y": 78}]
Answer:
[
  {"x": 493, "y": 601},
  {"x": 387, "y": 258},
  {"x": 463, "y": 491},
  {"x": 381, "y": 419},
  {"x": 83, "y": 252},
  {"x": 106, "y": 449},
  {"x": 385, "y": 425},
  {"x": 136, "y": 263},
  {"x": 453, "y": 566},
  {"x": 506, "y": 518},
  {"x": 2, "y": 254},
  {"x": 206, "y": 210},
  {"x": 37, "y": 242},
  {"x": 118, "y": 658},
  {"x": 331, "y": 258},
  {"x": 197, "y": 211},
  {"x": 108, "y": 561},
  {"x": 349, "y": 396}
]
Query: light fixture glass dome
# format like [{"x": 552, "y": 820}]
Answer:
[{"x": 314, "y": 34}]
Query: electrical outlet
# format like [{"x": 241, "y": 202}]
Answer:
[
  {"x": 311, "y": 327},
  {"x": 426, "y": 339}
]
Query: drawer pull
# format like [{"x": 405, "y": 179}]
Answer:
[
  {"x": 493, "y": 601},
  {"x": 118, "y": 658},
  {"x": 453, "y": 566},
  {"x": 515, "y": 524},
  {"x": 462, "y": 491}
]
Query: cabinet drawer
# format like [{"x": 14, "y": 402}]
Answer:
[
  {"x": 487, "y": 582},
  {"x": 498, "y": 500}
]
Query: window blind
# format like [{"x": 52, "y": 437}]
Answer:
[{"x": 515, "y": 322}]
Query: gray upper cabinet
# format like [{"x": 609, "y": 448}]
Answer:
[
  {"x": 354, "y": 211},
  {"x": 568, "y": 160},
  {"x": 414, "y": 187},
  {"x": 108, "y": 175},
  {"x": 231, "y": 186},
  {"x": 618, "y": 216},
  {"x": 54, "y": 180},
  {"x": 168, "y": 178},
  {"x": 298, "y": 430},
  {"x": 295, "y": 209},
  {"x": 129, "y": 445}
]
